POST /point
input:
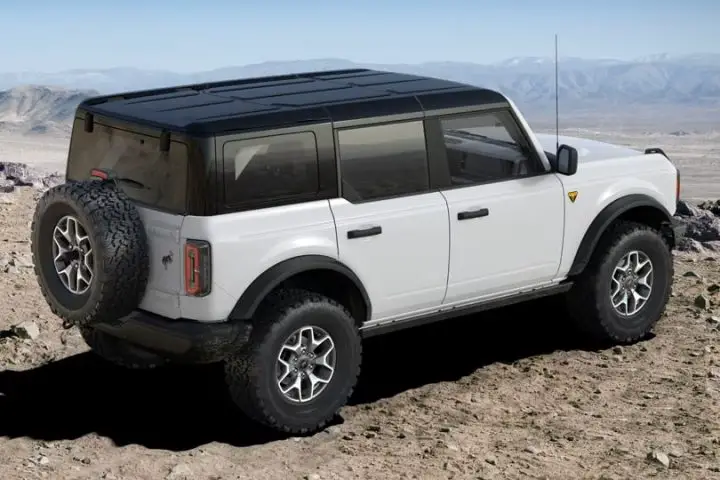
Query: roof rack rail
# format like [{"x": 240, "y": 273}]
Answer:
[{"x": 197, "y": 87}]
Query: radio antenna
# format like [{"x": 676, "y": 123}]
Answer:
[{"x": 557, "y": 108}]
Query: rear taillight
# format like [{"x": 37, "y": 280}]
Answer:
[{"x": 197, "y": 268}]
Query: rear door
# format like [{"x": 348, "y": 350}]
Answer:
[
  {"x": 157, "y": 182},
  {"x": 391, "y": 230}
]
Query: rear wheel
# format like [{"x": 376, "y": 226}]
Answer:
[
  {"x": 625, "y": 288},
  {"x": 119, "y": 352},
  {"x": 301, "y": 363}
]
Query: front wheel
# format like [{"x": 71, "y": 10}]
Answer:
[
  {"x": 301, "y": 364},
  {"x": 625, "y": 288}
]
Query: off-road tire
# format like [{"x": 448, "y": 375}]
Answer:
[
  {"x": 119, "y": 352},
  {"x": 250, "y": 374},
  {"x": 588, "y": 301},
  {"x": 120, "y": 249}
]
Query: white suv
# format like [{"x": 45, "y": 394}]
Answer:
[{"x": 271, "y": 223}]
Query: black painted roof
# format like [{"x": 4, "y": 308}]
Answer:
[{"x": 252, "y": 103}]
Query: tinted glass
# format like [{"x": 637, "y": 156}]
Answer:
[
  {"x": 383, "y": 161},
  {"x": 486, "y": 147},
  {"x": 268, "y": 168},
  {"x": 162, "y": 175}
]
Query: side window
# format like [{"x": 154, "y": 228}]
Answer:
[
  {"x": 276, "y": 167},
  {"x": 486, "y": 147},
  {"x": 383, "y": 161}
]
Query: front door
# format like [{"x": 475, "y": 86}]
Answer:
[
  {"x": 504, "y": 236},
  {"x": 506, "y": 210}
]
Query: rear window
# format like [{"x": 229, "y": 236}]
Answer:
[{"x": 133, "y": 156}]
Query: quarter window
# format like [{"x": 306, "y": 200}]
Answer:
[
  {"x": 486, "y": 147},
  {"x": 383, "y": 161},
  {"x": 270, "y": 168}
]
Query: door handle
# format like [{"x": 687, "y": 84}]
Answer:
[
  {"x": 365, "y": 232},
  {"x": 482, "y": 212}
]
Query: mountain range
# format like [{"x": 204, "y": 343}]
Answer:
[{"x": 37, "y": 101}]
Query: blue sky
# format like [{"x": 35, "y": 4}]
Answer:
[{"x": 185, "y": 35}]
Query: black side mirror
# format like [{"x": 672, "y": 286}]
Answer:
[{"x": 567, "y": 160}]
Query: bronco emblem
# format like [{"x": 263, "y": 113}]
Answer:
[{"x": 167, "y": 259}]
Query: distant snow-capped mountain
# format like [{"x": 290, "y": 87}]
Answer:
[
  {"x": 682, "y": 80},
  {"x": 662, "y": 78}
]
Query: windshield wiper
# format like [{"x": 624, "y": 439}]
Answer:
[
  {"x": 131, "y": 181},
  {"x": 106, "y": 174}
]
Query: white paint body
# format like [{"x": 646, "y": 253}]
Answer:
[{"x": 424, "y": 260}]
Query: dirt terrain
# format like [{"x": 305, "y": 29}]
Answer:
[{"x": 509, "y": 394}]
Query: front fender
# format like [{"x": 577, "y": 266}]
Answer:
[{"x": 603, "y": 220}]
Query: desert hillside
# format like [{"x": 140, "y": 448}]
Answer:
[
  {"x": 32, "y": 109},
  {"x": 504, "y": 395}
]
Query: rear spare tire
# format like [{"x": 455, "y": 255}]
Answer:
[{"x": 90, "y": 252}]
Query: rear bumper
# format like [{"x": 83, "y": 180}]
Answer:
[{"x": 181, "y": 340}]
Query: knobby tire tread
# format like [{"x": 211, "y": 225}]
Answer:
[
  {"x": 586, "y": 306},
  {"x": 116, "y": 224},
  {"x": 242, "y": 372}
]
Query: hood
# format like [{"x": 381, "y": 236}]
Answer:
[{"x": 588, "y": 150}]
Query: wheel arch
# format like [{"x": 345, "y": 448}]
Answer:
[
  {"x": 636, "y": 207},
  {"x": 328, "y": 277}
]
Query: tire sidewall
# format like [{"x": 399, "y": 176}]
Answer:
[
  {"x": 72, "y": 305},
  {"x": 340, "y": 327},
  {"x": 652, "y": 245}
]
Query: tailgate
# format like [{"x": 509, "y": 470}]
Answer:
[{"x": 165, "y": 259}]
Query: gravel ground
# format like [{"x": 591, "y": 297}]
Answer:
[{"x": 508, "y": 394}]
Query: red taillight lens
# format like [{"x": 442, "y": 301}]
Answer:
[
  {"x": 99, "y": 173},
  {"x": 197, "y": 268}
]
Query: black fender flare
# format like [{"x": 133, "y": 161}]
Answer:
[
  {"x": 603, "y": 220},
  {"x": 272, "y": 277}
]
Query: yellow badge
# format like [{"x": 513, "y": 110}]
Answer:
[{"x": 572, "y": 195}]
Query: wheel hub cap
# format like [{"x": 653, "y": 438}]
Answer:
[
  {"x": 72, "y": 255},
  {"x": 631, "y": 283},
  {"x": 305, "y": 364}
]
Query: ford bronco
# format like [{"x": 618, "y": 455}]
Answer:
[{"x": 272, "y": 223}]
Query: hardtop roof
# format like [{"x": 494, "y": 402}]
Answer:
[{"x": 281, "y": 100}]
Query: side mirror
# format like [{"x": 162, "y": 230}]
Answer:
[{"x": 567, "y": 160}]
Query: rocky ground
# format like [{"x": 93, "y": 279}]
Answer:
[{"x": 507, "y": 394}]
